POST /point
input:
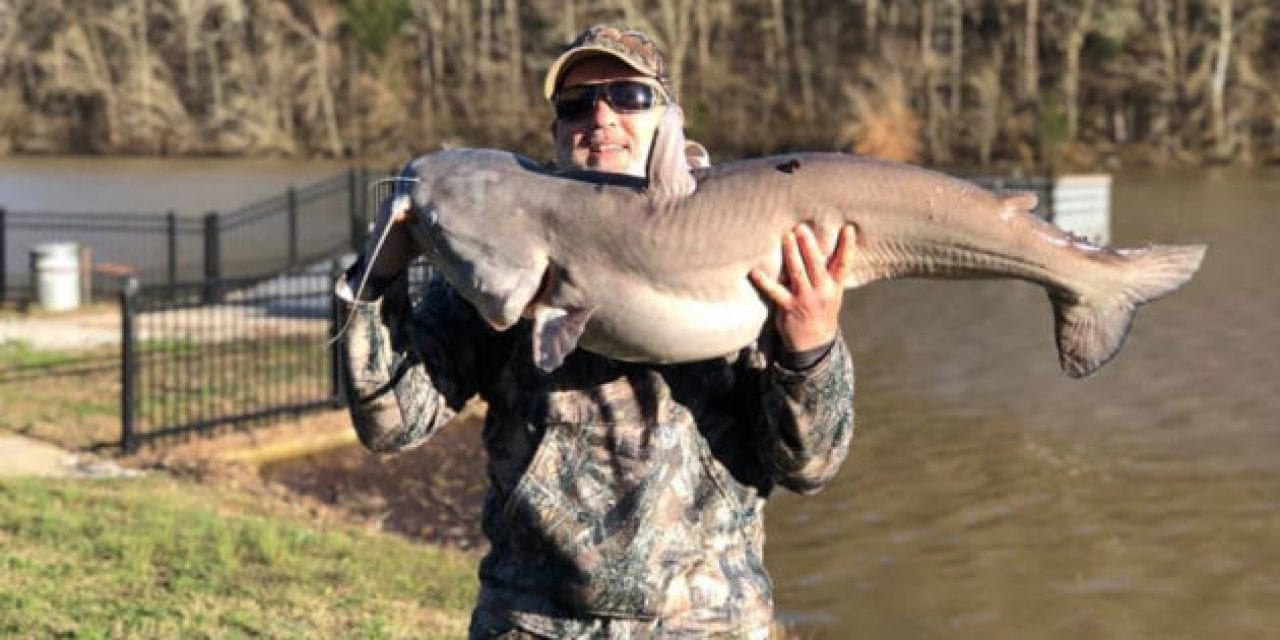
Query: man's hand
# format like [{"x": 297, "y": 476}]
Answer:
[
  {"x": 398, "y": 249},
  {"x": 808, "y": 306}
]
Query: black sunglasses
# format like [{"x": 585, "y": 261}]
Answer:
[{"x": 624, "y": 96}]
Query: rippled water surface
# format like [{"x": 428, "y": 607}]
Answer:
[
  {"x": 989, "y": 496},
  {"x": 189, "y": 186}
]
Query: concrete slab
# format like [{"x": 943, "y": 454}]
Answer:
[{"x": 22, "y": 456}]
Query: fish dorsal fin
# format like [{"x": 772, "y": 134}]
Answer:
[
  {"x": 669, "y": 175},
  {"x": 555, "y": 334},
  {"x": 1020, "y": 202}
]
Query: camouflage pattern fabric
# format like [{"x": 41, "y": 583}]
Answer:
[{"x": 626, "y": 499}]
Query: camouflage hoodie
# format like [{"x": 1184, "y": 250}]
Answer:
[{"x": 625, "y": 499}]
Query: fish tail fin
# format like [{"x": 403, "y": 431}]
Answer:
[{"x": 1090, "y": 332}]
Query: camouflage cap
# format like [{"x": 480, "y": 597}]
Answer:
[{"x": 634, "y": 48}]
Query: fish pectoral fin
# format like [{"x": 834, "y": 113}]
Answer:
[{"x": 555, "y": 334}]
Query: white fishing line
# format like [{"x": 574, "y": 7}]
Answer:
[{"x": 396, "y": 214}]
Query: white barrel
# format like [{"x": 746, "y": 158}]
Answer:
[{"x": 55, "y": 268}]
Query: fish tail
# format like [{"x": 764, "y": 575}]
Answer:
[{"x": 1091, "y": 331}]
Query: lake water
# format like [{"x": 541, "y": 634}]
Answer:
[
  {"x": 188, "y": 186},
  {"x": 987, "y": 495}
]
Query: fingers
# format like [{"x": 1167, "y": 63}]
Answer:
[
  {"x": 806, "y": 265},
  {"x": 400, "y": 206},
  {"x": 842, "y": 259},
  {"x": 815, "y": 260},
  {"x": 772, "y": 289},
  {"x": 393, "y": 210},
  {"x": 794, "y": 264},
  {"x": 390, "y": 248}
]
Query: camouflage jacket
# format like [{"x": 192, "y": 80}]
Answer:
[{"x": 623, "y": 497}]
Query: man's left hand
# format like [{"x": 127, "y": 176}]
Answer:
[{"x": 808, "y": 299}]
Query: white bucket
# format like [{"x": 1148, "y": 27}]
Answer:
[{"x": 56, "y": 270}]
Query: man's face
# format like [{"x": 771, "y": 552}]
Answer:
[{"x": 605, "y": 140}]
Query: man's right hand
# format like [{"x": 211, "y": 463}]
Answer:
[{"x": 384, "y": 264}]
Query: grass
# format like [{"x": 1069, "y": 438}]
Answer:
[
  {"x": 163, "y": 557},
  {"x": 16, "y": 354},
  {"x": 71, "y": 397},
  {"x": 78, "y": 412}
]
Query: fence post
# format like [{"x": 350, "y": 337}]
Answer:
[
  {"x": 171, "y": 220},
  {"x": 4, "y": 272},
  {"x": 128, "y": 365},
  {"x": 212, "y": 258},
  {"x": 335, "y": 325},
  {"x": 354, "y": 211},
  {"x": 291, "y": 199}
]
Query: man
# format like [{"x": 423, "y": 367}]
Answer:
[{"x": 626, "y": 499}]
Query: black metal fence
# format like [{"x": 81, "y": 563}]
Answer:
[
  {"x": 260, "y": 351},
  {"x": 298, "y": 227}
]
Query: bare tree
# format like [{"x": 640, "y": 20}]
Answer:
[
  {"x": 1030, "y": 85},
  {"x": 1218, "y": 88},
  {"x": 316, "y": 25},
  {"x": 1186, "y": 80},
  {"x": 1078, "y": 23}
]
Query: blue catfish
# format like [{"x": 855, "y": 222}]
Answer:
[{"x": 657, "y": 270}]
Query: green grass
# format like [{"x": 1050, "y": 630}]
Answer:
[
  {"x": 20, "y": 353},
  {"x": 163, "y": 558}
]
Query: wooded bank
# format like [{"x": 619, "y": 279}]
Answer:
[{"x": 1030, "y": 83}]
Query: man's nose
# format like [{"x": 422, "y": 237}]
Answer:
[{"x": 603, "y": 115}]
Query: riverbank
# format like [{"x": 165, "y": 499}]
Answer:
[
  {"x": 161, "y": 557},
  {"x": 191, "y": 539}
]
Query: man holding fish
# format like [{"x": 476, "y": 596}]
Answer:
[{"x": 626, "y": 498}]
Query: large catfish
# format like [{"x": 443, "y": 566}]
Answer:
[{"x": 656, "y": 271}]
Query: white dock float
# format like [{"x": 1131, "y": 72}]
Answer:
[{"x": 1082, "y": 205}]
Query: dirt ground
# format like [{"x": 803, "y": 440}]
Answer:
[
  {"x": 433, "y": 493},
  {"x": 91, "y": 326}
]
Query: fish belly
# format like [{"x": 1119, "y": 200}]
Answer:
[{"x": 642, "y": 324}]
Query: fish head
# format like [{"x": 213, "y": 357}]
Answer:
[{"x": 469, "y": 223}]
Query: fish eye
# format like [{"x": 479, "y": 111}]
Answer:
[{"x": 431, "y": 217}]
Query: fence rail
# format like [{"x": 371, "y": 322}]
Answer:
[
  {"x": 260, "y": 351},
  {"x": 282, "y": 232},
  {"x": 70, "y": 367}
]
